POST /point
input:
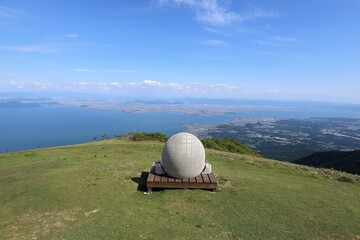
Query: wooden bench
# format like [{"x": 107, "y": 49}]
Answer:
[{"x": 202, "y": 181}]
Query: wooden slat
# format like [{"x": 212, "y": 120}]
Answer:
[
  {"x": 150, "y": 177},
  {"x": 157, "y": 178},
  {"x": 192, "y": 180},
  {"x": 212, "y": 178},
  {"x": 164, "y": 179},
  {"x": 171, "y": 180},
  {"x": 199, "y": 179},
  {"x": 177, "y": 180},
  {"x": 205, "y": 178},
  {"x": 186, "y": 180},
  {"x": 182, "y": 185}
]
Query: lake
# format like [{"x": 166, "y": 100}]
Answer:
[{"x": 28, "y": 128}]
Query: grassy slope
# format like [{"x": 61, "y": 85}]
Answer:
[
  {"x": 229, "y": 145},
  {"x": 88, "y": 192}
]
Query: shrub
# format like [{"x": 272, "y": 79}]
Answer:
[
  {"x": 142, "y": 136},
  {"x": 345, "y": 179},
  {"x": 105, "y": 137},
  {"x": 228, "y": 145}
]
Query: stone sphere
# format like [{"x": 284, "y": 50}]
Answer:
[{"x": 183, "y": 156}]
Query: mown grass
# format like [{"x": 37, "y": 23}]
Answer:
[{"x": 90, "y": 191}]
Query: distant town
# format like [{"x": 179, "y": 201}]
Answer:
[{"x": 287, "y": 139}]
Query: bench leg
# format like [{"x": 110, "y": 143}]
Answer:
[{"x": 149, "y": 190}]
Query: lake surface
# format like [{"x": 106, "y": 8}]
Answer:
[{"x": 28, "y": 128}]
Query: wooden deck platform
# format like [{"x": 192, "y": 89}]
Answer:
[{"x": 203, "y": 181}]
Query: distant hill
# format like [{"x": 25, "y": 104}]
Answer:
[
  {"x": 339, "y": 160},
  {"x": 26, "y": 103},
  {"x": 156, "y": 101},
  {"x": 15, "y": 104},
  {"x": 228, "y": 145}
]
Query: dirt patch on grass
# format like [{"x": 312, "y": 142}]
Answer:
[
  {"x": 224, "y": 182},
  {"x": 34, "y": 225},
  {"x": 91, "y": 212},
  {"x": 124, "y": 151},
  {"x": 31, "y": 154}
]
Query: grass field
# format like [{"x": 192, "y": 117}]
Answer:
[{"x": 91, "y": 191}]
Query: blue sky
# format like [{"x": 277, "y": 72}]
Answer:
[{"x": 265, "y": 49}]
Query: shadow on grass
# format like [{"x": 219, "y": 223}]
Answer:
[{"x": 141, "y": 181}]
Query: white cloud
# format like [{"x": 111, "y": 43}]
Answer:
[
  {"x": 174, "y": 86},
  {"x": 213, "y": 13},
  {"x": 259, "y": 13},
  {"x": 213, "y": 42},
  {"x": 146, "y": 86},
  {"x": 88, "y": 86},
  {"x": 31, "y": 48},
  {"x": 216, "y": 12},
  {"x": 152, "y": 83},
  {"x": 212, "y": 30},
  {"x": 217, "y": 31},
  {"x": 207, "y": 11},
  {"x": 84, "y": 83},
  {"x": 45, "y": 85},
  {"x": 264, "y": 53},
  {"x": 196, "y": 83},
  {"x": 9, "y": 13},
  {"x": 156, "y": 84},
  {"x": 119, "y": 70},
  {"x": 285, "y": 39},
  {"x": 117, "y": 84},
  {"x": 221, "y": 87},
  {"x": 83, "y": 70},
  {"x": 17, "y": 84},
  {"x": 71, "y": 35},
  {"x": 267, "y": 43},
  {"x": 103, "y": 70},
  {"x": 278, "y": 41},
  {"x": 264, "y": 91}
]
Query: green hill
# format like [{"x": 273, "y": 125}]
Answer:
[
  {"x": 228, "y": 145},
  {"x": 91, "y": 191},
  {"x": 348, "y": 161}
]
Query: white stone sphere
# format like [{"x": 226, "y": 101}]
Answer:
[{"x": 183, "y": 156}]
